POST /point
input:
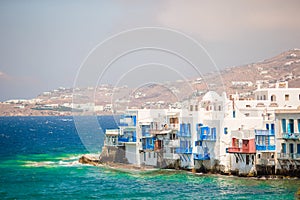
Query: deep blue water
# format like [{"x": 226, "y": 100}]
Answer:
[{"x": 38, "y": 160}]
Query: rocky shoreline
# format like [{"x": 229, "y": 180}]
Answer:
[{"x": 94, "y": 160}]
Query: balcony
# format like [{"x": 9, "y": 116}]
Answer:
[
  {"x": 205, "y": 156},
  {"x": 288, "y": 156},
  {"x": 291, "y": 136},
  {"x": 128, "y": 120},
  {"x": 207, "y": 134},
  {"x": 240, "y": 150},
  {"x": 148, "y": 147},
  {"x": 146, "y": 134},
  {"x": 172, "y": 156},
  {"x": 183, "y": 134},
  {"x": 265, "y": 148},
  {"x": 127, "y": 139},
  {"x": 182, "y": 150},
  {"x": 264, "y": 132},
  {"x": 247, "y": 146},
  {"x": 185, "y": 130}
]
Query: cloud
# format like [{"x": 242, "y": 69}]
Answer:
[{"x": 222, "y": 20}]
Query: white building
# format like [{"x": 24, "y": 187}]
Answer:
[{"x": 217, "y": 133}]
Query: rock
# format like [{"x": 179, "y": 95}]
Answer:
[{"x": 88, "y": 159}]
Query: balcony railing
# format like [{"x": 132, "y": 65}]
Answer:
[
  {"x": 208, "y": 137},
  {"x": 239, "y": 150},
  {"x": 129, "y": 139},
  {"x": 288, "y": 156},
  {"x": 183, "y": 134},
  {"x": 264, "y": 132},
  {"x": 148, "y": 147},
  {"x": 265, "y": 148},
  {"x": 204, "y": 156},
  {"x": 146, "y": 134},
  {"x": 291, "y": 136},
  {"x": 182, "y": 150},
  {"x": 171, "y": 156}
]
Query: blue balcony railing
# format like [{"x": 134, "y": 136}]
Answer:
[
  {"x": 291, "y": 136},
  {"x": 128, "y": 139},
  {"x": 183, "y": 150},
  {"x": 146, "y": 134},
  {"x": 207, "y": 133},
  {"x": 265, "y": 148},
  {"x": 207, "y": 137},
  {"x": 204, "y": 156},
  {"x": 148, "y": 147}
]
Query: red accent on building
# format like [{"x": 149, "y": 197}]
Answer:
[{"x": 248, "y": 146}]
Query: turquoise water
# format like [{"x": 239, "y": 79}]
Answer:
[{"x": 39, "y": 161}]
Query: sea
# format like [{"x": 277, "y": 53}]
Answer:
[{"x": 39, "y": 160}]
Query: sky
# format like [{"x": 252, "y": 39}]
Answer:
[{"x": 43, "y": 44}]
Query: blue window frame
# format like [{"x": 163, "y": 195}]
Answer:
[
  {"x": 225, "y": 130},
  {"x": 283, "y": 124},
  {"x": 283, "y": 146}
]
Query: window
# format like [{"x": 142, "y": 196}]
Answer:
[
  {"x": 291, "y": 148},
  {"x": 191, "y": 107},
  {"x": 225, "y": 130},
  {"x": 213, "y": 133},
  {"x": 299, "y": 97},
  {"x": 247, "y": 159},
  {"x": 283, "y": 124},
  {"x": 154, "y": 155},
  {"x": 283, "y": 148},
  {"x": 286, "y": 97},
  {"x": 273, "y": 98},
  {"x": 196, "y": 107},
  {"x": 248, "y": 106},
  {"x": 144, "y": 156},
  {"x": 258, "y": 156},
  {"x": 298, "y": 148},
  {"x": 265, "y": 97},
  {"x": 291, "y": 126},
  {"x": 298, "y": 125},
  {"x": 252, "y": 159},
  {"x": 247, "y": 114},
  {"x": 149, "y": 154},
  {"x": 236, "y": 159}
]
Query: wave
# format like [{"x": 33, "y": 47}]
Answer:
[{"x": 71, "y": 161}]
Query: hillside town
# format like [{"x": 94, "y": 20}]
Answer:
[
  {"x": 108, "y": 99},
  {"x": 221, "y": 133}
]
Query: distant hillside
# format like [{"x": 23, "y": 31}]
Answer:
[{"x": 241, "y": 79}]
